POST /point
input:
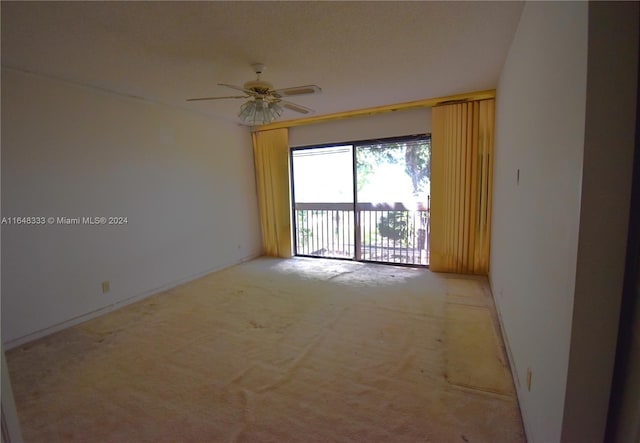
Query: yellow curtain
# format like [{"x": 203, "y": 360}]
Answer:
[
  {"x": 461, "y": 186},
  {"x": 271, "y": 155}
]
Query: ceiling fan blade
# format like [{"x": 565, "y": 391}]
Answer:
[
  {"x": 298, "y": 90},
  {"x": 215, "y": 98},
  {"x": 295, "y": 107},
  {"x": 238, "y": 88}
]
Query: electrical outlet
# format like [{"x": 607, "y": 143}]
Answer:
[
  {"x": 529, "y": 374},
  {"x": 106, "y": 287}
]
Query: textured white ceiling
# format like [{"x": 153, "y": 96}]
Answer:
[{"x": 362, "y": 54}]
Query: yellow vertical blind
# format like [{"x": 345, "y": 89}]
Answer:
[
  {"x": 461, "y": 186},
  {"x": 271, "y": 156}
]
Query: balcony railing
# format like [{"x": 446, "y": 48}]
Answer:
[{"x": 382, "y": 232}]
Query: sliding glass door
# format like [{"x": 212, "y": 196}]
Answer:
[{"x": 366, "y": 201}]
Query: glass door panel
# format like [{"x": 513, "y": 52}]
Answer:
[
  {"x": 323, "y": 195},
  {"x": 393, "y": 200}
]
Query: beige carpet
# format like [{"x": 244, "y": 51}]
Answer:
[
  {"x": 272, "y": 350},
  {"x": 474, "y": 356}
]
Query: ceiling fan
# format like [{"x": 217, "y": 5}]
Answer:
[{"x": 265, "y": 104}]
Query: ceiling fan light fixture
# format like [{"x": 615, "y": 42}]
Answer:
[{"x": 259, "y": 112}]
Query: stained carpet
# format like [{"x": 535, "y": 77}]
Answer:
[{"x": 273, "y": 350}]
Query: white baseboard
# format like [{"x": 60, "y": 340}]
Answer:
[
  {"x": 512, "y": 363},
  {"x": 117, "y": 305}
]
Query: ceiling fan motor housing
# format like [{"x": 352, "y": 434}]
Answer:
[{"x": 259, "y": 86}]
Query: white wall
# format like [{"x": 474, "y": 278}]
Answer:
[
  {"x": 185, "y": 182},
  {"x": 10, "y": 427},
  {"x": 10, "y": 419},
  {"x": 540, "y": 118},
  {"x": 390, "y": 124}
]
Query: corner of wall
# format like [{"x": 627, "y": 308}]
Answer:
[{"x": 606, "y": 187}]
